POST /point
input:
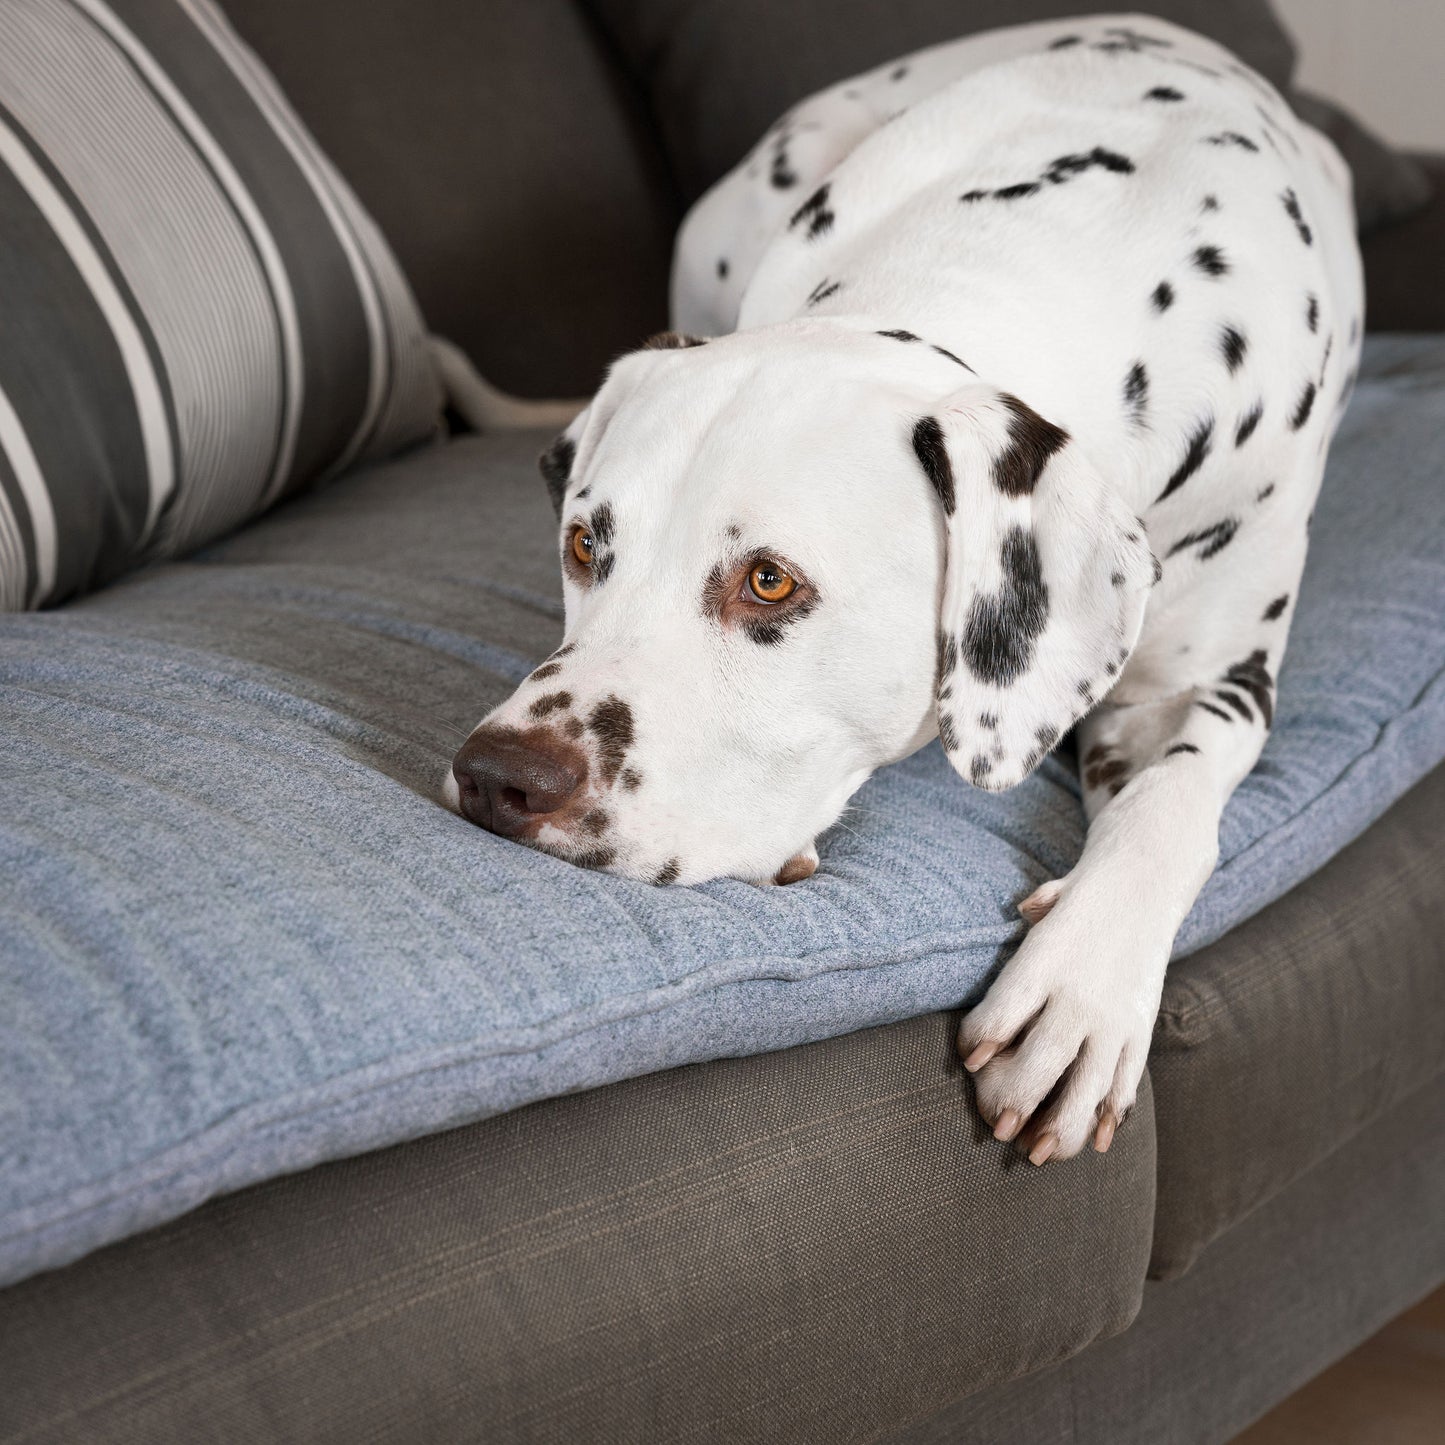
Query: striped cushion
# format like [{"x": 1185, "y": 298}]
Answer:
[{"x": 196, "y": 316}]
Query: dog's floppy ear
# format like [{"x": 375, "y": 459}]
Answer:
[
  {"x": 1046, "y": 575},
  {"x": 557, "y": 461}
]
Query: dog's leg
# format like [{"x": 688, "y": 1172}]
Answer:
[{"x": 1058, "y": 1044}]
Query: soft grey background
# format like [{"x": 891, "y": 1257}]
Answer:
[{"x": 1381, "y": 58}]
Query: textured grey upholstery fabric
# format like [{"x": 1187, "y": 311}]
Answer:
[
  {"x": 1300, "y": 1028},
  {"x": 1286, "y": 1292},
  {"x": 807, "y": 1246},
  {"x": 719, "y": 72},
  {"x": 505, "y": 158}
]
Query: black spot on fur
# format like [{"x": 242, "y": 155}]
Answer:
[
  {"x": 1290, "y": 201},
  {"x": 1210, "y": 260},
  {"x": 1064, "y": 168},
  {"x": 1018, "y": 191},
  {"x": 1275, "y": 609},
  {"x": 1163, "y": 92},
  {"x": 899, "y": 73},
  {"x": 1180, "y": 748},
  {"x": 1209, "y": 540},
  {"x": 1194, "y": 455},
  {"x": 1136, "y": 393},
  {"x": 668, "y": 873},
  {"x": 932, "y": 455},
  {"x": 612, "y": 726},
  {"x": 1137, "y": 39},
  {"x": 602, "y": 568},
  {"x": 1032, "y": 441},
  {"x": 1209, "y": 203},
  {"x": 1232, "y": 138},
  {"x": 999, "y": 635},
  {"x": 672, "y": 341},
  {"x": 555, "y": 464},
  {"x": 549, "y": 703},
  {"x": 979, "y": 768},
  {"x": 1162, "y": 297},
  {"x": 1267, "y": 490},
  {"x": 973, "y": 196},
  {"x": 947, "y": 733},
  {"x": 631, "y": 779},
  {"x": 823, "y": 290},
  {"x": 547, "y": 669},
  {"x": 1116, "y": 579},
  {"x": 1248, "y": 423},
  {"x": 1233, "y": 344},
  {"x": 1254, "y": 678},
  {"x": 815, "y": 212},
  {"x": 944, "y": 351},
  {"x": 1312, "y": 312},
  {"x": 946, "y": 658},
  {"x": 1209, "y": 707},
  {"x": 1236, "y": 702},
  {"x": 899, "y": 335},
  {"x": 988, "y": 721},
  {"x": 722, "y": 268},
  {"x": 594, "y": 822},
  {"x": 1047, "y": 737},
  {"x": 1064, "y": 42},
  {"x": 1303, "y": 407},
  {"x": 603, "y": 524},
  {"x": 596, "y": 858},
  {"x": 781, "y": 175}
]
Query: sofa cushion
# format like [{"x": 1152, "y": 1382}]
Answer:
[
  {"x": 1301, "y": 1028},
  {"x": 507, "y": 157},
  {"x": 237, "y": 935},
  {"x": 720, "y": 72},
  {"x": 811, "y": 1245},
  {"x": 196, "y": 317}
]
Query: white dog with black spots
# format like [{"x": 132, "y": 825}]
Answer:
[{"x": 1000, "y": 397}]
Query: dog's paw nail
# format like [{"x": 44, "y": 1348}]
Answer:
[
  {"x": 1104, "y": 1134},
  {"x": 1035, "y": 908},
  {"x": 1007, "y": 1125},
  {"x": 980, "y": 1056},
  {"x": 1043, "y": 1151}
]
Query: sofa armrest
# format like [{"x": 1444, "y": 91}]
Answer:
[{"x": 1404, "y": 290}]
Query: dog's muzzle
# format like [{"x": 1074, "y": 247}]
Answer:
[{"x": 511, "y": 784}]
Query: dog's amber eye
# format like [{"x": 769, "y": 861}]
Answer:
[
  {"x": 769, "y": 583},
  {"x": 582, "y": 545}
]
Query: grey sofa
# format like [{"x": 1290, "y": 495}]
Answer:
[{"x": 822, "y": 1244}]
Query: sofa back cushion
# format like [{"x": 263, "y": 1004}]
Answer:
[
  {"x": 506, "y": 157},
  {"x": 719, "y": 72},
  {"x": 196, "y": 316}
]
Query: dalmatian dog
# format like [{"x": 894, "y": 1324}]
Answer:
[{"x": 1001, "y": 392}]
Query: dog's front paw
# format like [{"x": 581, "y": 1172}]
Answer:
[{"x": 1059, "y": 1042}]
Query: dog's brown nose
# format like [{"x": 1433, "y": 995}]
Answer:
[{"x": 506, "y": 781}]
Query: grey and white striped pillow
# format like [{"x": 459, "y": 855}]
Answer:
[{"x": 196, "y": 315}]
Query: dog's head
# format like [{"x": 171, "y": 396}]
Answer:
[{"x": 792, "y": 555}]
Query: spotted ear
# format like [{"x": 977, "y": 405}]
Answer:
[
  {"x": 557, "y": 462},
  {"x": 1046, "y": 575}
]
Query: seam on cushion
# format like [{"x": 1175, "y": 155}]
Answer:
[
  {"x": 630, "y": 1006},
  {"x": 344, "y": 1089}
]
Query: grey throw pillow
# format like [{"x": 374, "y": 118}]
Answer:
[
  {"x": 196, "y": 316},
  {"x": 719, "y": 72}
]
